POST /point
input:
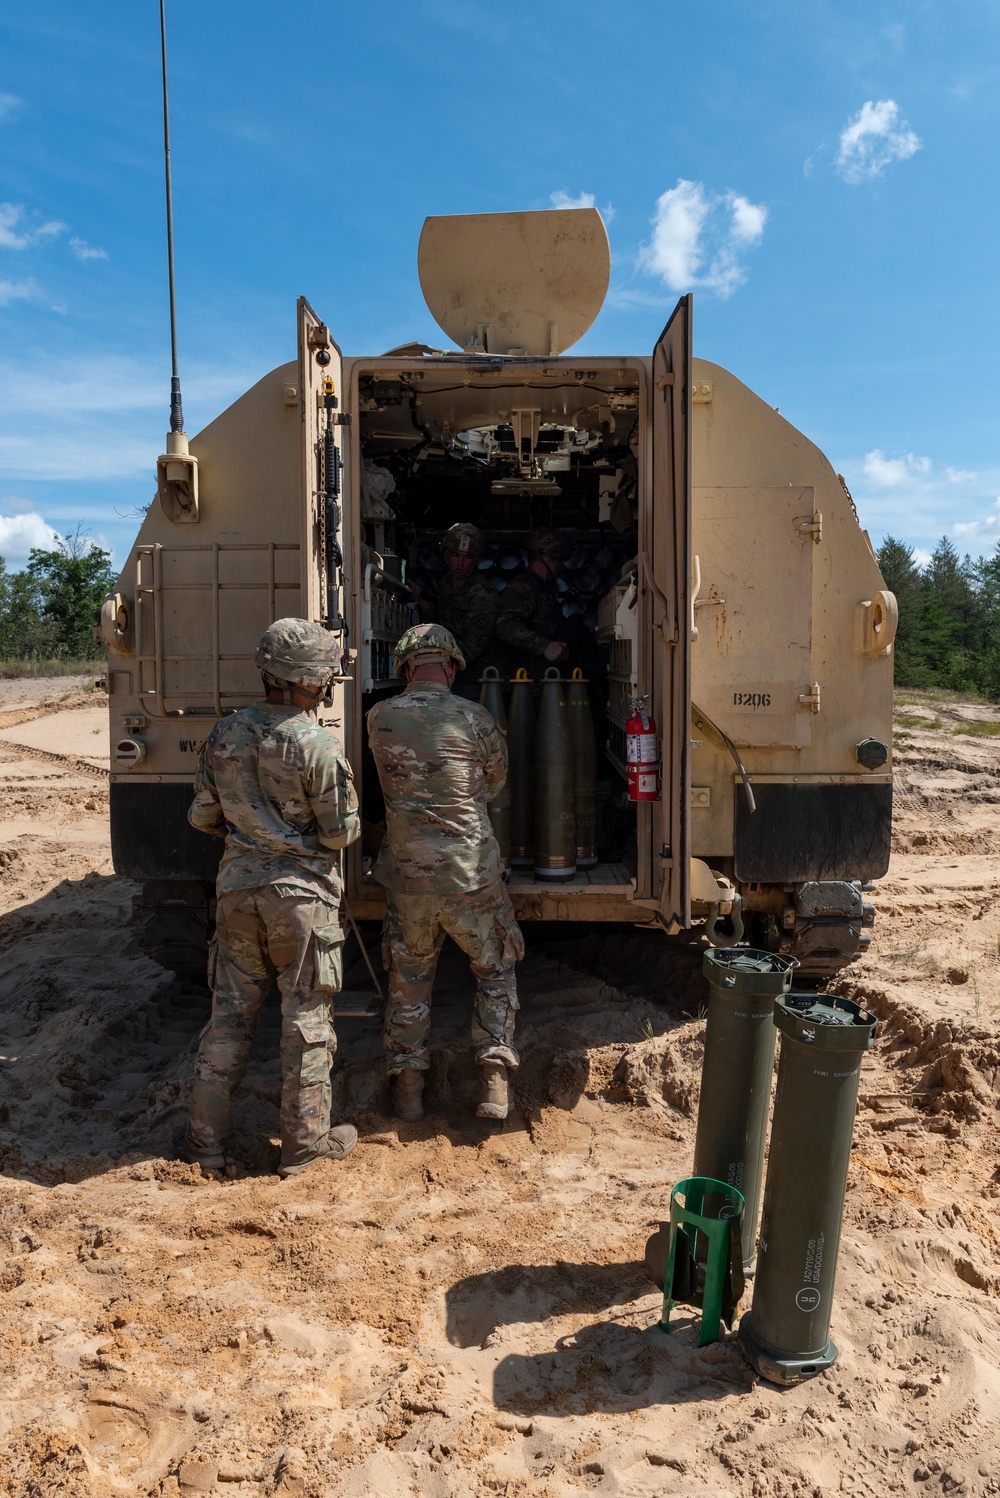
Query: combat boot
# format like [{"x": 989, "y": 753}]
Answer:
[
  {"x": 494, "y": 1099},
  {"x": 335, "y": 1145},
  {"x": 184, "y": 1150},
  {"x": 408, "y": 1095}
]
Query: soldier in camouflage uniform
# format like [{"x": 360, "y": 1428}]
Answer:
[
  {"x": 274, "y": 783},
  {"x": 529, "y": 620},
  {"x": 440, "y": 759},
  {"x": 466, "y": 606}
]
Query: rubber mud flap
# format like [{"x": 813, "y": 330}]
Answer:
[
  {"x": 151, "y": 837},
  {"x": 801, "y": 833}
]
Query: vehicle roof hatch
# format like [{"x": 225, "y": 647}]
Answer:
[{"x": 528, "y": 283}]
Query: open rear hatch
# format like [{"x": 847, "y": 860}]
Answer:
[{"x": 510, "y": 434}]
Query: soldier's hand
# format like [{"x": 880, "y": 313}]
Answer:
[{"x": 555, "y": 650}]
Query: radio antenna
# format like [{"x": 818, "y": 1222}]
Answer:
[
  {"x": 177, "y": 468},
  {"x": 176, "y": 408}
]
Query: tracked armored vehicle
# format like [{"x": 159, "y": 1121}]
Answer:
[{"x": 710, "y": 548}]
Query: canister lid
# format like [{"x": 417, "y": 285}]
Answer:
[
  {"x": 747, "y": 970},
  {"x": 826, "y": 1021}
]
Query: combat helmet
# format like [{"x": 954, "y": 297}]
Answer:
[
  {"x": 464, "y": 540},
  {"x": 544, "y": 544},
  {"x": 296, "y": 650},
  {"x": 424, "y": 644}
]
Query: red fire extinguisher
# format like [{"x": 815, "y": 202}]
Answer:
[{"x": 642, "y": 754}]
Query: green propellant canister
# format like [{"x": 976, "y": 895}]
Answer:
[
  {"x": 736, "y": 1072},
  {"x": 581, "y": 730},
  {"x": 491, "y": 697},
  {"x": 555, "y": 808},
  {"x": 785, "y": 1334},
  {"x": 521, "y": 769}
]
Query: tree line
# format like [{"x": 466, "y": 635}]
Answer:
[
  {"x": 948, "y": 636},
  {"x": 949, "y": 618},
  {"x": 47, "y": 610}
]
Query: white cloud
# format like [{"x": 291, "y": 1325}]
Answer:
[
  {"x": 889, "y": 473},
  {"x": 8, "y": 104},
  {"x": 872, "y": 139},
  {"x": 17, "y": 291},
  {"x": 980, "y": 533},
  {"x": 19, "y": 533},
  {"x": 697, "y": 237},
  {"x": 15, "y": 233},
  {"x": 922, "y": 556},
  {"x": 918, "y": 500},
  {"x": 748, "y": 220},
  {"x": 111, "y": 425},
  {"x": 84, "y": 251},
  {"x": 561, "y": 199}
]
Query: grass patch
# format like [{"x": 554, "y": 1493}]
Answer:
[
  {"x": 915, "y": 720},
  {"x": 15, "y": 670},
  {"x": 899, "y": 737},
  {"x": 976, "y": 728},
  {"x": 937, "y": 697}
]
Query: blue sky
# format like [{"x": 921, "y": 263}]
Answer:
[{"x": 818, "y": 174}]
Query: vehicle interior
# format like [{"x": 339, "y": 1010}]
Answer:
[{"x": 512, "y": 446}]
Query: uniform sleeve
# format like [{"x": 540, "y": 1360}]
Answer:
[
  {"x": 205, "y": 811},
  {"x": 478, "y": 627},
  {"x": 494, "y": 744},
  {"x": 514, "y": 623},
  {"x": 329, "y": 786}
]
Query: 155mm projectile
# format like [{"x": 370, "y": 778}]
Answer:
[
  {"x": 499, "y": 808},
  {"x": 581, "y": 729},
  {"x": 555, "y": 808}
]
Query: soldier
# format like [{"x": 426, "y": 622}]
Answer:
[
  {"x": 274, "y": 783},
  {"x": 466, "y": 606},
  {"x": 529, "y": 620},
  {"x": 440, "y": 759}
]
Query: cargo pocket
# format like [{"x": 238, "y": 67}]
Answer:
[
  {"x": 510, "y": 936},
  {"x": 315, "y": 1030},
  {"x": 328, "y": 949}
]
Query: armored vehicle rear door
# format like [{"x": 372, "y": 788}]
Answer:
[
  {"x": 319, "y": 360},
  {"x": 665, "y": 620}
]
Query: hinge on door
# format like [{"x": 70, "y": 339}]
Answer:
[
  {"x": 809, "y": 701},
  {"x": 318, "y": 336},
  {"x": 337, "y": 418},
  {"x": 701, "y": 393},
  {"x": 810, "y": 525}
]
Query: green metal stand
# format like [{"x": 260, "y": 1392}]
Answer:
[{"x": 704, "y": 1256}]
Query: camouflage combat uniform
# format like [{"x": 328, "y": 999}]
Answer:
[
  {"x": 470, "y": 613},
  {"x": 440, "y": 759},
  {"x": 275, "y": 784},
  {"x": 528, "y": 619}
]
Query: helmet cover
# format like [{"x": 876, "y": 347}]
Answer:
[
  {"x": 545, "y": 544},
  {"x": 424, "y": 644},
  {"x": 298, "y": 650},
  {"x": 463, "y": 540}
]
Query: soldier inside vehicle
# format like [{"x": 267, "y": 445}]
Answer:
[{"x": 510, "y": 532}]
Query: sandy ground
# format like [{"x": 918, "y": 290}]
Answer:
[
  {"x": 37, "y": 691},
  {"x": 461, "y": 1309}
]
